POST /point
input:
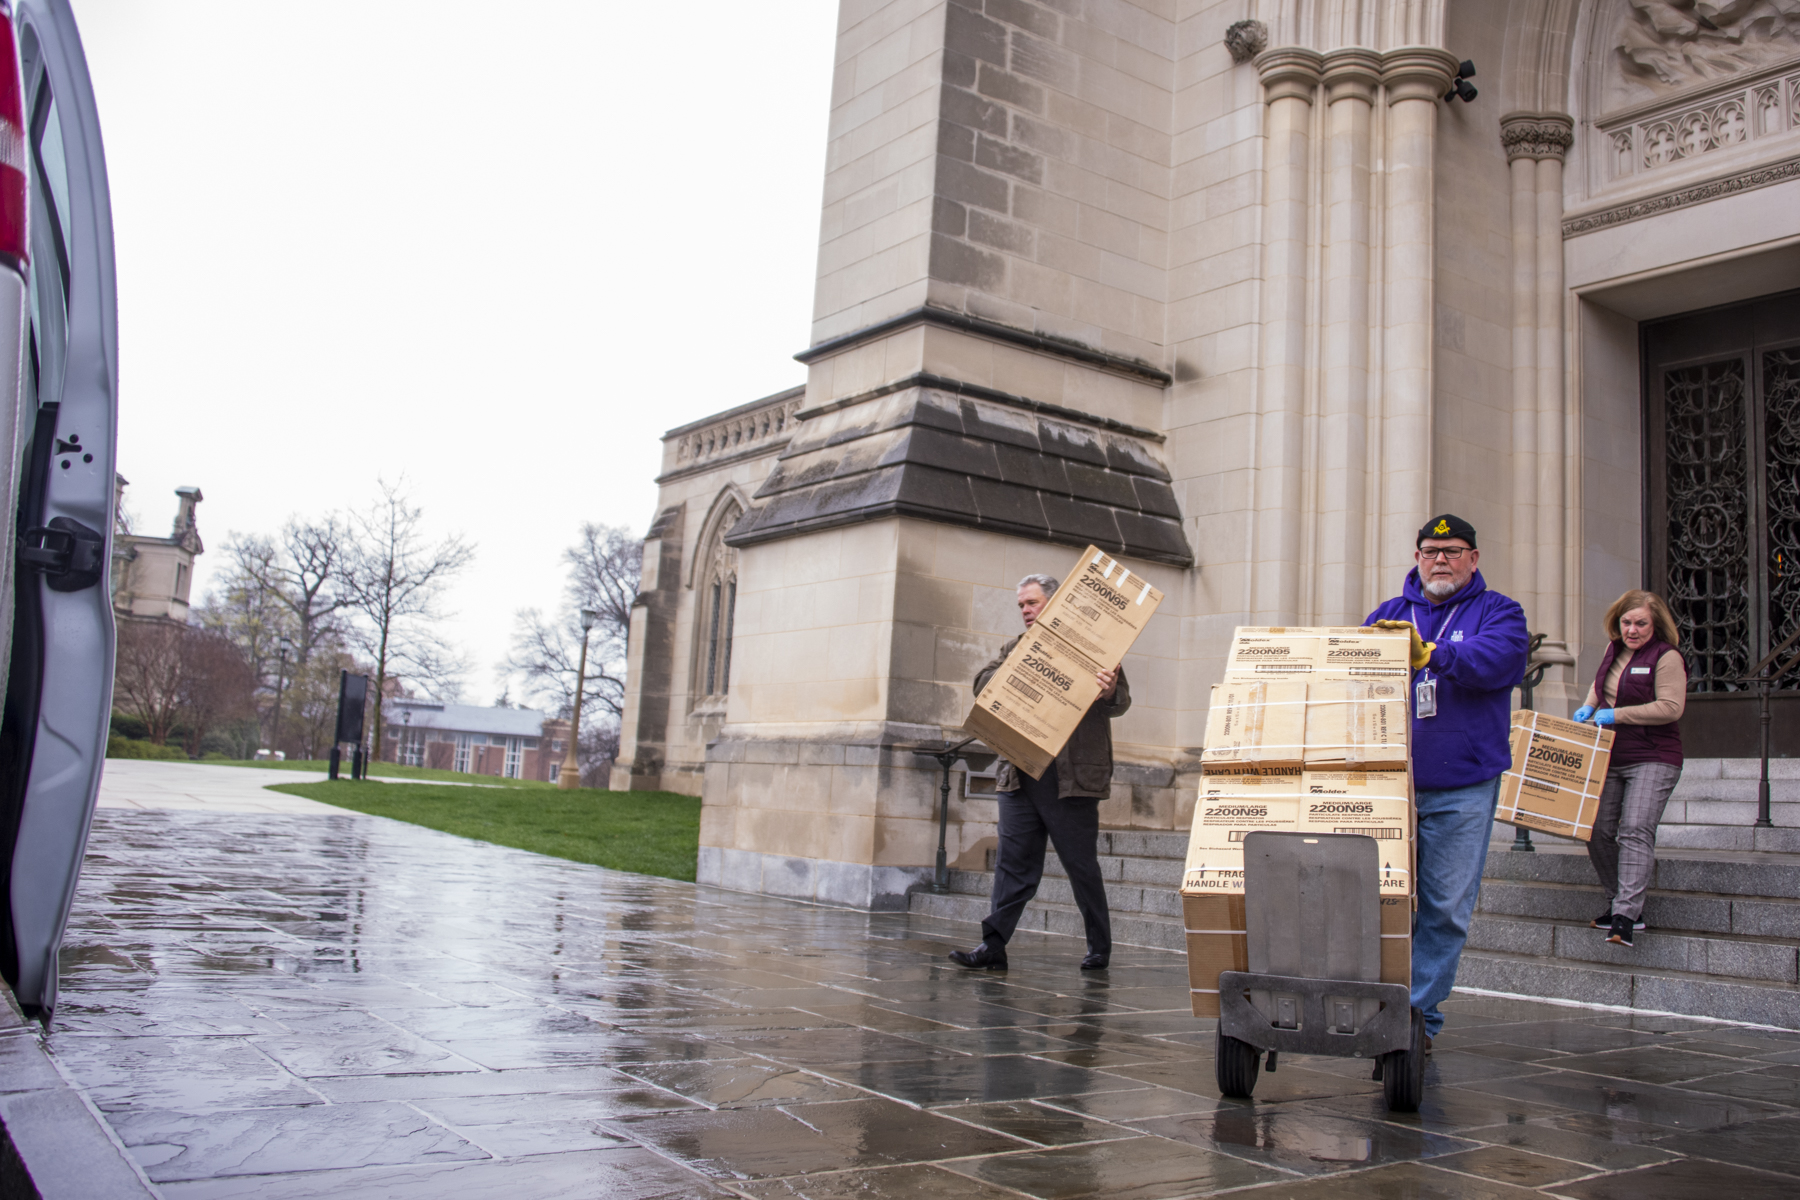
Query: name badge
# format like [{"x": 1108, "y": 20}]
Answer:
[
  {"x": 1640, "y": 670},
  {"x": 1426, "y": 695}
]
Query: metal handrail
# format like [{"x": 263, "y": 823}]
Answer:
[
  {"x": 1764, "y": 680},
  {"x": 1537, "y": 662},
  {"x": 946, "y": 756}
]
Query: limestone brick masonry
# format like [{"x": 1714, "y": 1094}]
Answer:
[{"x": 1224, "y": 286}]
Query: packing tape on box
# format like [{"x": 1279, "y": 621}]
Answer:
[{"x": 1124, "y": 573}]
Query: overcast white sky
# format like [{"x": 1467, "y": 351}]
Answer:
[{"x": 495, "y": 248}]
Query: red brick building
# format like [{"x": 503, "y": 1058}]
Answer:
[{"x": 511, "y": 743}]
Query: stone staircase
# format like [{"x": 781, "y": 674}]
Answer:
[
  {"x": 1143, "y": 878},
  {"x": 1723, "y": 911}
]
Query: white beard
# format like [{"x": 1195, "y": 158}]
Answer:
[{"x": 1438, "y": 589}]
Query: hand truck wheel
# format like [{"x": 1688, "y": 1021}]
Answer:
[
  {"x": 1235, "y": 1066},
  {"x": 1403, "y": 1071}
]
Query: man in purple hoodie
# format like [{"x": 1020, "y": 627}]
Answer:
[{"x": 1469, "y": 647}]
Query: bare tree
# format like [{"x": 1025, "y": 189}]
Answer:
[
  {"x": 314, "y": 564},
  {"x": 246, "y": 606},
  {"x": 394, "y": 580},
  {"x": 604, "y": 567},
  {"x": 216, "y": 685},
  {"x": 148, "y": 675}
]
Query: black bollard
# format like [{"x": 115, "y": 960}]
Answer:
[{"x": 337, "y": 757}]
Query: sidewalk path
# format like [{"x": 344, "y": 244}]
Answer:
[
  {"x": 148, "y": 784},
  {"x": 277, "y": 1005}
]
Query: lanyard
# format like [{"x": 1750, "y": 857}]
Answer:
[{"x": 1442, "y": 625}]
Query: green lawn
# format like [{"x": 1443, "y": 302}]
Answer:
[
  {"x": 653, "y": 833},
  {"x": 383, "y": 770}
]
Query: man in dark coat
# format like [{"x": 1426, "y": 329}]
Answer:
[
  {"x": 1063, "y": 807},
  {"x": 1469, "y": 648}
]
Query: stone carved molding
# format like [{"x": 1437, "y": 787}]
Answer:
[
  {"x": 1244, "y": 40},
  {"x": 765, "y": 427},
  {"x": 1409, "y": 73},
  {"x": 1743, "y": 182},
  {"x": 1742, "y": 111},
  {"x": 1289, "y": 72},
  {"x": 1663, "y": 46},
  {"x": 1536, "y": 135}
]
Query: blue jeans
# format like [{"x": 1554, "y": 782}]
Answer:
[{"x": 1454, "y": 827}]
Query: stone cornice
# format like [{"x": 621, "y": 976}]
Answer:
[
  {"x": 1743, "y": 181},
  {"x": 1536, "y": 135},
  {"x": 1351, "y": 72},
  {"x": 1289, "y": 72},
  {"x": 1417, "y": 73},
  {"x": 994, "y": 331},
  {"x": 926, "y": 379}
]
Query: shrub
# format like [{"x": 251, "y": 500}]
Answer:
[{"x": 123, "y": 747}]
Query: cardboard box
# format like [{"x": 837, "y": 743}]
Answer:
[
  {"x": 1216, "y": 941},
  {"x": 1255, "y": 727},
  {"x": 1357, "y": 725},
  {"x": 1557, "y": 771},
  {"x": 1273, "y": 652},
  {"x": 1228, "y": 808},
  {"x": 1364, "y": 652},
  {"x": 1375, "y": 803},
  {"x": 1307, "y": 652},
  {"x": 1046, "y": 685}
]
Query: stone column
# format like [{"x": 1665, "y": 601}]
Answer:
[
  {"x": 1554, "y": 138},
  {"x": 1523, "y": 170},
  {"x": 1414, "y": 78},
  {"x": 1290, "y": 76},
  {"x": 1535, "y": 144},
  {"x": 1350, "y": 75}
]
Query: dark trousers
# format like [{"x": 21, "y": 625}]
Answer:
[{"x": 1028, "y": 817}]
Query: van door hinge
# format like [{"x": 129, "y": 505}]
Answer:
[{"x": 67, "y": 553}]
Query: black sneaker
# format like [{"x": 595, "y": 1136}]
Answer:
[
  {"x": 982, "y": 958},
  {"x": 1605, "y": 921},
  {"x": 1621, "y": 931}
]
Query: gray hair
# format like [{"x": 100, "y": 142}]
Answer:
[{"x": 1049, "y": 583}]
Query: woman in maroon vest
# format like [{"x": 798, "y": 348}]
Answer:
[{"x": 1642, "y": 683}]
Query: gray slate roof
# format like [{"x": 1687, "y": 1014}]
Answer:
[{"x": 465, "y": 718}]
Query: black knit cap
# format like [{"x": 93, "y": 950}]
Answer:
[{"x": 1449, "y": 525}]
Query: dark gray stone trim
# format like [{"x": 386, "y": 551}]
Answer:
[
  {"x": 995, "y": 331},
  {"x": 1745, "y": 181},
  {"x": 955, "y": 460},
  {"x": 943, "y": 383},
  {"x": 52, "y": 1147}
]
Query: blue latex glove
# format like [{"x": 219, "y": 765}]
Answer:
[
  {"x": 1604, "y": 717},
  {"x": 1583, "y": 713}
]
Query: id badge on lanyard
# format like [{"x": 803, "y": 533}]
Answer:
[
  {"x": 1425, "y": 689},
  {"x": 1425, "y": 696}
]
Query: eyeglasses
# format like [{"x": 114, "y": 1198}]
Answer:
[{"x": 1449, "y": 553}]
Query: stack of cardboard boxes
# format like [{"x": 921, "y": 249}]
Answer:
[{"x": 1309, "y": 732}]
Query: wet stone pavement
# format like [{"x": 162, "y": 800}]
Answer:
[{"x": 342, "y": 1006}]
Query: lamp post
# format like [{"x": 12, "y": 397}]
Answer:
[
  {"x": 570, "y": 777},
  {"x": 284, "y": 647}
]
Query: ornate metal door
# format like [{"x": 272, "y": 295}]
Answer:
[{"x": 1722, "y": 519}]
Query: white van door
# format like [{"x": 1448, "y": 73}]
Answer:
[{"x": 59, "y": 678}]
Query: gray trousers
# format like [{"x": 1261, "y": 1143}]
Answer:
[
  {"x": 1623, "y": 848},
  {"x": 1029, "y": 817}
]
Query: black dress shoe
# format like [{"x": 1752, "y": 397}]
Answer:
[
  {"x": 1095, "y": 962},
  {"x": 982, "y": 958}
]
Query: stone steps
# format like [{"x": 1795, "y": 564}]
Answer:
[
  {"x": 1723, "y": 937},
  {"x": 1723, "y": 911}
]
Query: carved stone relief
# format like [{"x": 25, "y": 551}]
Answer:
[{"x": 1664, "y": 46}]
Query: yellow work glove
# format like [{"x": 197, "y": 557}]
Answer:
[{"x": 1421, "y": 650}]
